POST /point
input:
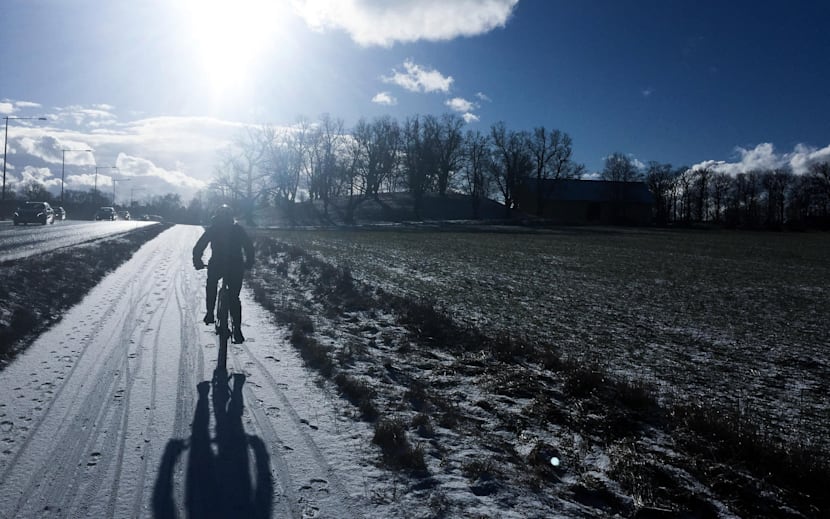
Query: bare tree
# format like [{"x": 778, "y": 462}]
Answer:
[
  {"x": 327, "y": 152},
  {"x": 551, "y": 152},
  {"x": 511, "y": 164},
  {"x": 475, "y": 164},
  {"x": 720, "y": 184},
  {"x": 449, "y": 150},
  {"x": 419, "y": 156},
  {"x": 660, "y": 179},
  {"x": 775, "y": 183},
  {"x": 820, "y": 183},
  {"x": 240, "y": 175},
  {"x": 619, "y": 167},
  {"x": 377, "y": 152},
  {"x": 700, "y": 192}
]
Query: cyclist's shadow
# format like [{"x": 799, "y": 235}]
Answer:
[{"x": 219, "y": 481}]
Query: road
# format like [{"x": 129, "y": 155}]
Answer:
[
  {"x": 26, "y": 240},
  {"x": 112, "y": 412}
]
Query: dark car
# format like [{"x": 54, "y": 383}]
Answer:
[
  {"x": 60, "y": 213},
  {"x": 124, "y": 215},
  {"x": 34, "y": 212},
  {"x": 106, "y": 213}
]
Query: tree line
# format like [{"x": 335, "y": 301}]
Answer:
[
  {"x": 761, "y": 198},
  {"x": 422, "y": 155},
  {"x": 322, "y": 160}
]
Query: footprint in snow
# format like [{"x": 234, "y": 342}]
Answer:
[
  {"x": 93, "y": 459},
  {"x": 304, "y": 421}
]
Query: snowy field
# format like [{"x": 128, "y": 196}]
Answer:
[
  {"x": 729, "y": 317},
  {"x": 435, "y": 374}
]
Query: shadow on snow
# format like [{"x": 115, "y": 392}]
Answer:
[{"x": 219, "y": 481}]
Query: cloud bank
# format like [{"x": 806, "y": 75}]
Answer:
[
  {"x": 159, "y": 154},
  {"x": 763, "y": 156},
  {"x": 383, "y": 23}
]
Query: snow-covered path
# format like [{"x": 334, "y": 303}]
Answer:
[{"x": 111, "y": 413}]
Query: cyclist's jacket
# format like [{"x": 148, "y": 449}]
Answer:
[{"x": 227, "y": 243}]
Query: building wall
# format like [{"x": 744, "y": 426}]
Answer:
[{"x": 585, "y": 212}]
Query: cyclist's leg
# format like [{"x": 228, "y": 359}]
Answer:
[
  {"x": 210, "y": 292},
  {"x": 234, "y": 281}
]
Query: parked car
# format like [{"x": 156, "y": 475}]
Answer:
[
  {"x": 106, "y": 213},
  {"x": 34, "y": 212},
  {"x": 152, "y": 218},
  {"x": 124, "y": 215},
  {"x": 60, "y": 213}
]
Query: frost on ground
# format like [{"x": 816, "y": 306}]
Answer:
[
  {"x": 487, "y": 412},
  {"x": 355, "y": 396},
  {"x": 118, "y": 411}
]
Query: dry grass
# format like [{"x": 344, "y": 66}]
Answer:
[
  {"x": 398, "y": 452},
  {"x": 591, "y": 392}
]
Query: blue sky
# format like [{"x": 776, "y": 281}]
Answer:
[{"x": 156, "y": 87}]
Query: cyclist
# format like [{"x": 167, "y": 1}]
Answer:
[{"x": 228, "y": 241}]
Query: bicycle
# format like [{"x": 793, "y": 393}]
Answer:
[{"x": 222, "y": 328}]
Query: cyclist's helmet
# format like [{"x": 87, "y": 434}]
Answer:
[{"x": 223, "y": 215}]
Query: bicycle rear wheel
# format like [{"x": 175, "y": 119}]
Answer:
[{"x": 222, "y": 326}]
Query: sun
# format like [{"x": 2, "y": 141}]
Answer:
[{"x": 230, "y": 38}]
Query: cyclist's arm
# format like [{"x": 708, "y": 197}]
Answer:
[
  {"x": 200, "y": 247},
  {"x": 249, "y": 251},
  {"x": 248, "y": 247}
]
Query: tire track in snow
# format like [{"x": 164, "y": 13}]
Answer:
[
  {"x": 134, "y": 343},
  {"x": 66, "y": 379},
  {"x": 319, "y": 477},
  {"x": 260, "y": 422},
  {"x": 92, "y": 438}
]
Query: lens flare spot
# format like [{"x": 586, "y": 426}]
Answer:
[{"x": 554, "y": 461}]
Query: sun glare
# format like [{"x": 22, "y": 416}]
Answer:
[{"x": 230, "y": 38}]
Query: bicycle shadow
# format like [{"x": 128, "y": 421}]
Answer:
[{"x": 219, "y": 481}]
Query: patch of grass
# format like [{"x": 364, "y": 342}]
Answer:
[
  {"x": 507, "y": 348},
  {"x": 541, "y": 470},
  {"x": 583, "y": 381},
  {"x": 390, "y": 435},
  {"x": 417, "y": 395},
  {"x": 314, "y": 353},
  {"x": 479, "y": 470},
  {"x": 728, "y": 436},
  {"x": 423, "y": 424},
  {"x": 358, "y": 393}
]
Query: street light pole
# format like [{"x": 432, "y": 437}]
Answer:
[
  {"x": 63, "y": 167},
  {"x": 95, "y": 189},
  {"x": 5, "y": 146}
]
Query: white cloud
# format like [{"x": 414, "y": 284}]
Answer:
[
  {"x": 763, "y": 156},
  {"x": 482, "y": 96},
  {"x": 96, "y": 115},
  {"x": 646, "y": 92},
  {"x": 42, "y": 175},
  {"x": 6, "y": 108},
  {"x": 27, "y": 104},
  {"x": 470, "y": 118},
  {"x": 384, "y": 98},
  {"x": 416, "y": 78},
  {"x": 459, "y": 104},
  {"x": 372, "y": 22},
  {"x": 170, "y": 154}
]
